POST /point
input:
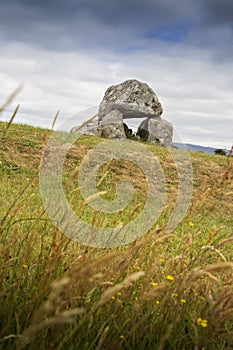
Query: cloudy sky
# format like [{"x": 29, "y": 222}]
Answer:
[{"x": 67, "y": 52}]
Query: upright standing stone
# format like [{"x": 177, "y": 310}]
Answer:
[
  {"x": 112, "y": 126},
  {"x": 156, "y": 131}
]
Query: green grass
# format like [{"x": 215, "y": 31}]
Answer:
[{"x": 151, "y": 294}]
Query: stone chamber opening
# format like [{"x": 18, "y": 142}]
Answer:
[{"x": 132, "y": 130}]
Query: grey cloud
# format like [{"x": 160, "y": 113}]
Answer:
[
  {"x": 219, "y": 12},
  {"x": 111, "y": 12},
  {"x": 63, "y": 24},
  {"x": 214, "y": 32}
]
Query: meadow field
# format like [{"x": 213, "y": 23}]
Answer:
[{"x": 163, "y": 291}]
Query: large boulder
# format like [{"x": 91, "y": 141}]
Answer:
[
  {"x": 156, "y": 131},
  {"x": 133, "y": 99}
]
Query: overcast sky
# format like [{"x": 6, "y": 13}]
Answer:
[{"x": 67, "y": 52}]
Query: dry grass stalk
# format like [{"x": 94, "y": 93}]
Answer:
[
  {"x": 102, "y": 178},
  {"x": 11, "y": 97},
  {"x": 161, "y": 288},
  {"x": 165, "y": 337},
  {"x": 63, "y": 317},
  {"x": 55, "y": 119},
  {"x": 226, "y": 315},
  {"x": 102, "y": 338},
  {"x": 94, "y": 197},
  {"x": 107, "y": 294},
  {"x": 213, "y": 249},
  {"x": 225, "y": 241},
  {"x": 199, "y": 273},
  {"x": 12, "y": 117},
  {"x": 218, "y": 267},
  {"x": 10, "y": 336},
  {"x": 85, "y": 123},
  {"x": 72, "y": 178}
]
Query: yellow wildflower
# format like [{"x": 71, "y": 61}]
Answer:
[
  {"x": 174, "y": 295},
  {"x": 161, "y": 260},
  {"x": 122, "y": 336},
  {"x": 169, "y": 278},
  {"x": 24, "y": 266},
  {"x": 137, "y": 268},
  {"x": 153, "y": 284},
  {"x": 202, "y": 322},
  {"x": 157, "y": 302},
  {"x": 183, "y": 301},
  {"x": 191, "y": 224},
  {"x": 113, "y": 298}
]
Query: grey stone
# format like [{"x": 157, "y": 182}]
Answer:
[
  {"x": 142, "y": 131},
  {"x": 112, "y": 126},
  {"x": 156, "y": 131},
  {"x": 92, "y": 128},
  {"x": 133, "y": 99}
]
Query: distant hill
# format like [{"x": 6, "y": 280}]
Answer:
[{"x": 196, "y": 148}]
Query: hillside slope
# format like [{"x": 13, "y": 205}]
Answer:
[
  {"x": 22, "y": 147},
  {"x": 162, "y": 291}
]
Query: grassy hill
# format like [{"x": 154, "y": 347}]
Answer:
[{"x": 163, "y": 291}]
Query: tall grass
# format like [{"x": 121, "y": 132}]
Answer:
[{"x": 160, "y": 292}]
